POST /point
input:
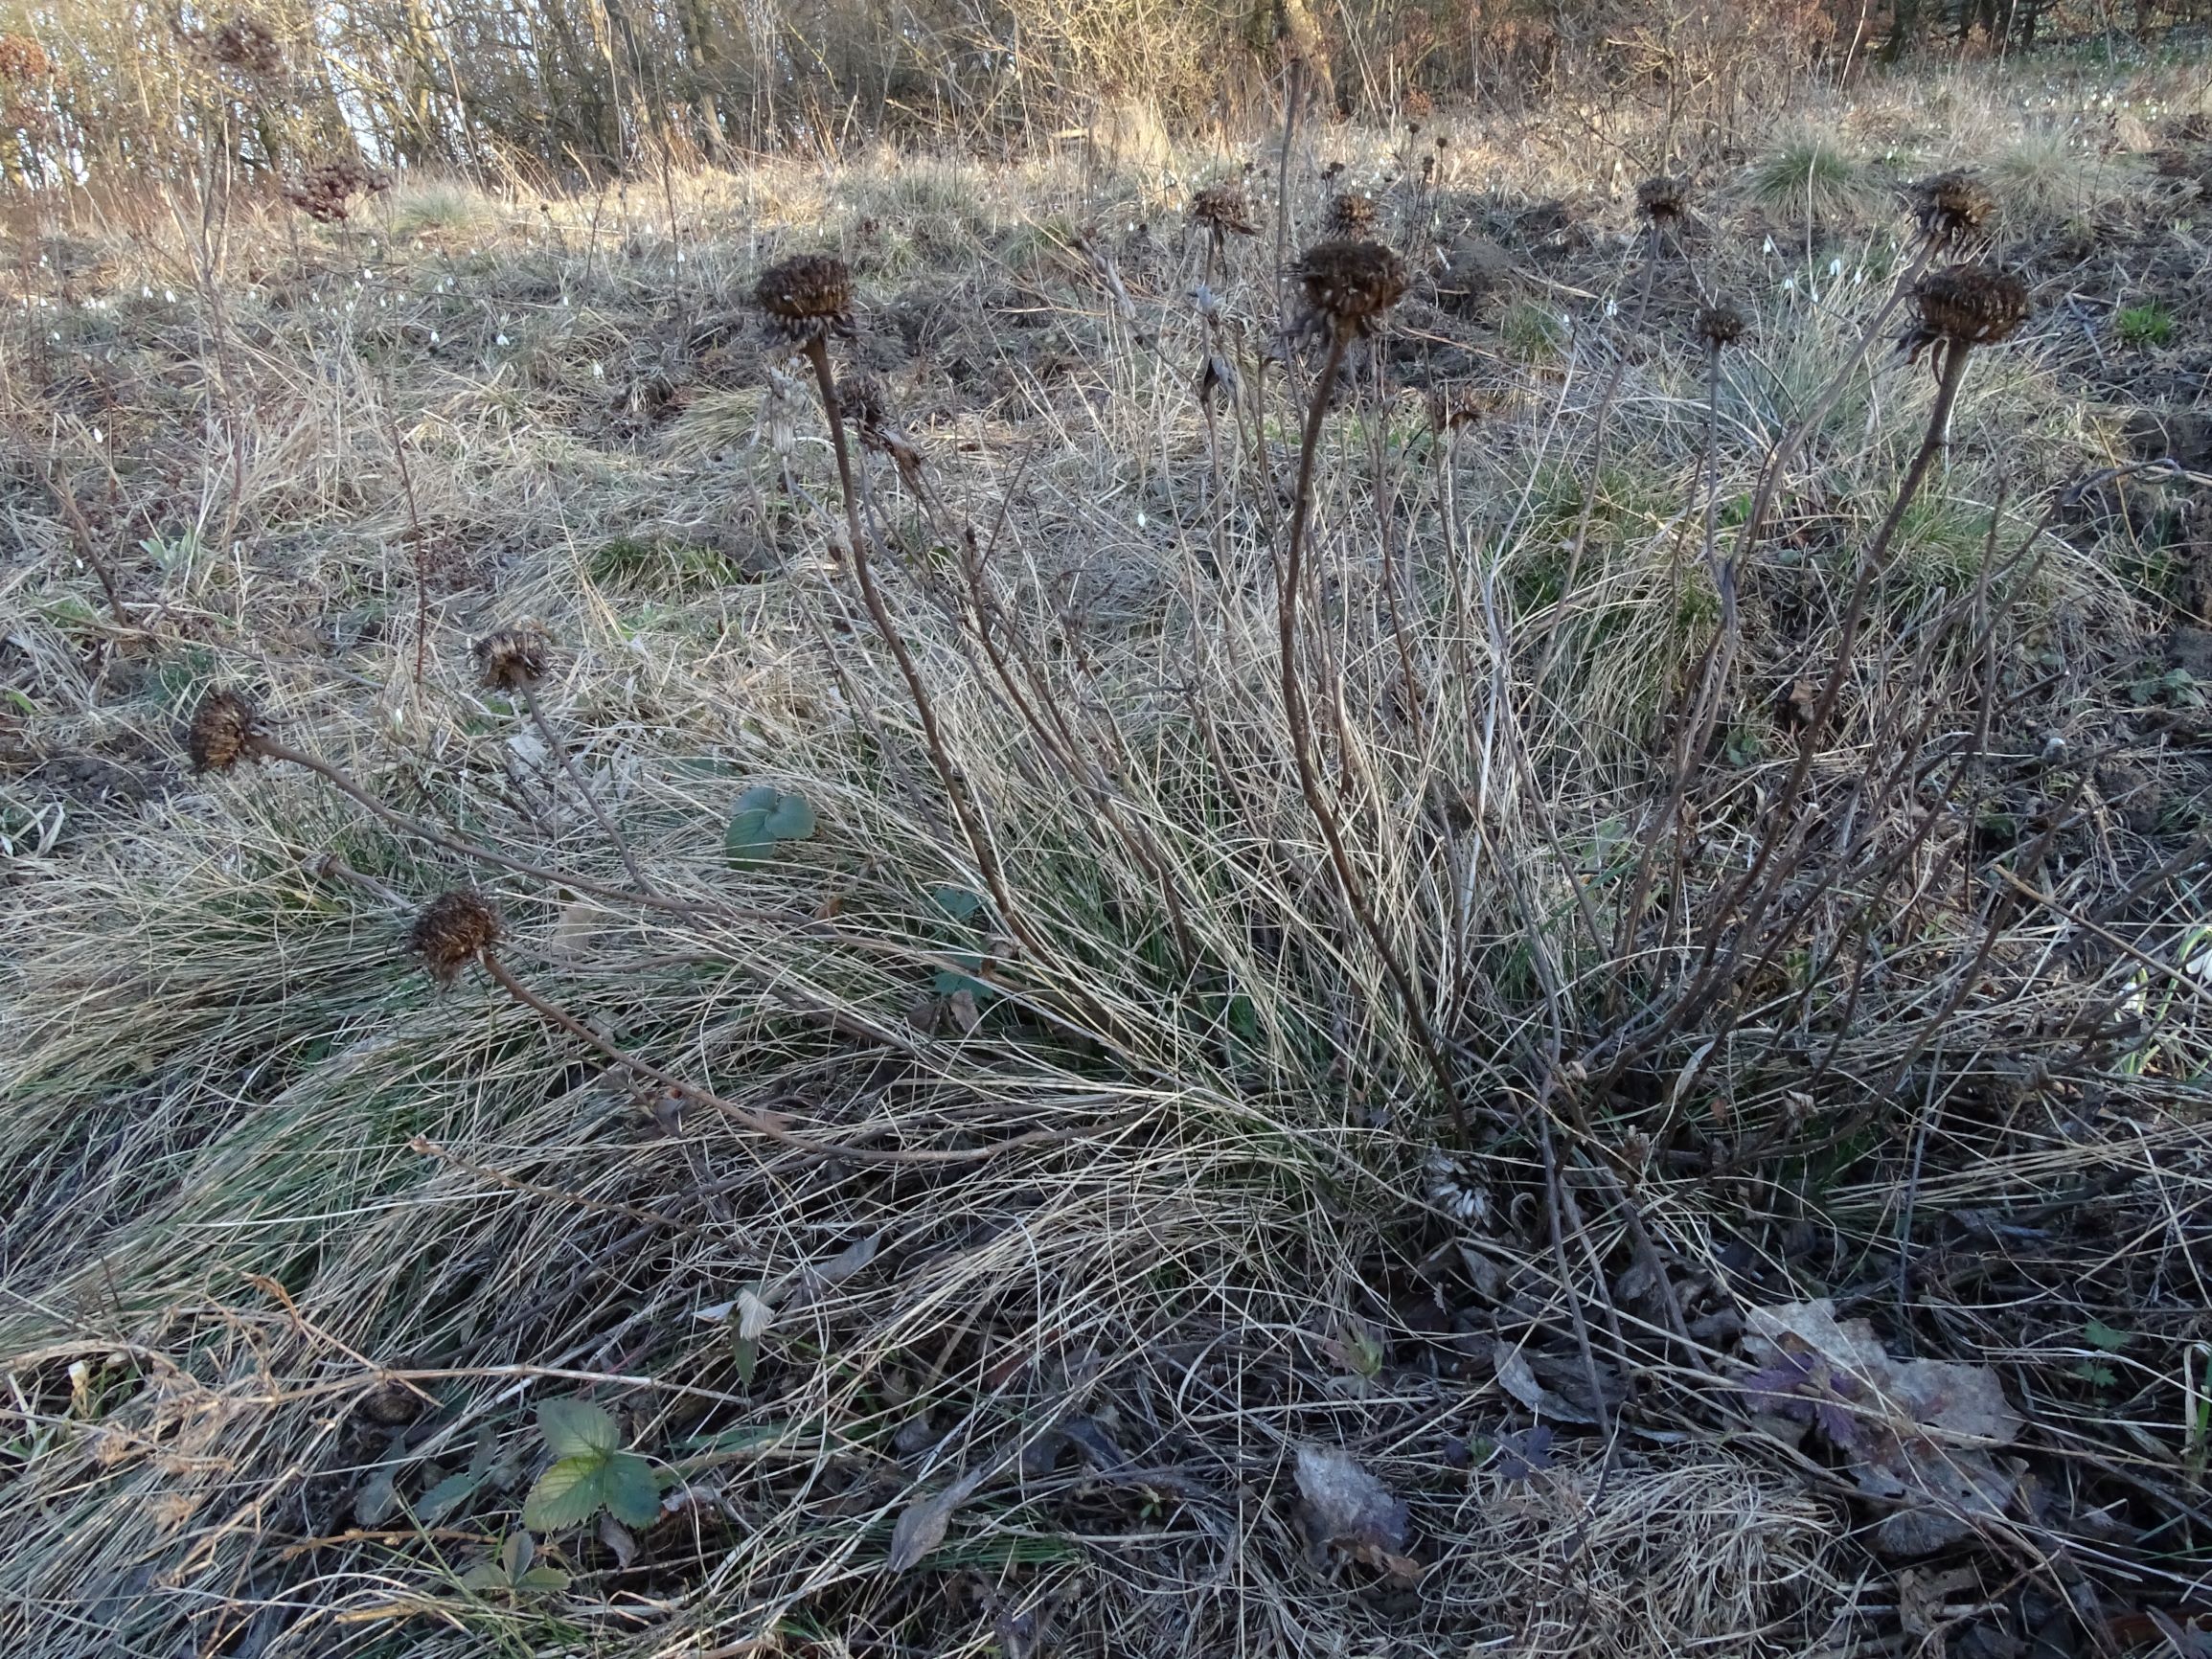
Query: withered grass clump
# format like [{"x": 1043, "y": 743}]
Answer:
[
  {"x": 1348, "y": 286},
  {"x": 223, "y": 731},
  {"x": 1952, "y": 209},
  {"x": 1968, "y": 305},
  {"x": 513, "y": 659},
  {"x": 806, "y": 297},
  {"x": 454, "y": 929}
]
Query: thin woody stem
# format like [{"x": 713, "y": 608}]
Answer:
[
  {"x": 576, "y": 777},
  {"x": 1296, "y": 716},
  {"x": 925, "y": 708},
  {"x": 759, "y": 1122}
]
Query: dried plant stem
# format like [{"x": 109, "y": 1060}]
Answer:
[
  {"x": 759, "y": 1122},
  {"x": 953, "y": 779},
  {"x": 271, "y": 749},
  {"x": 576, "y": 777},
  {"x": 1298, "y": 718}
]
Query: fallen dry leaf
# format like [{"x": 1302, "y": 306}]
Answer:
[
  {"x": 922, "y": 1528},
  {"x": 1347, "y": 1508}
]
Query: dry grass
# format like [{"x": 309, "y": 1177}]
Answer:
[{"x": 1157, "y": 1179}]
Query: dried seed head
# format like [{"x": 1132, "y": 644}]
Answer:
[
  {"x": 1719, "y": 325},
  {"x": 513, "y": 659},
  {"x": 806, "y": 297},
  {"x": 222, "y": 732},
  {"x": 860, "y": 400},
  {"x": 1351, "y": 213},
  {"x": 1952, "y": 208},
  {"x": 1968, "y": 306},
  {"x": 1348, "y": 286},
  {"x": 1662, "y": 199},
  {"x": 247, "y": 44},
  {"x": 392, "y": 1404},
  {"x": 1223, "y": 207},
  {"x": 325, "y": 193},
  {"x": 1451, "y": 407},
  {"x": 454, "y": 930}
]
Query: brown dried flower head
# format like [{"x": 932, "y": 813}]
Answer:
[
  {"x": 1719, "y": 325},
  {"x": 1349, "y": 284},
  {"x": 1463, "y": 404},
  {"x": 325, "y": 193},
  {"x": 247, "y": 44},
  {"x": 1223, "y": 207},
  {"x": 222, "y": 732},
  {"x": 806, "y": 297},
  {"x": 1952, "y": 208},
  {"x": 862, "y": 400},
  {"x": 1974, "y": 304},
  {"x": 1662, "y": 199},
  {"x": 454, "y": 930},
  {"x": 1351, "y": 213},
  {"x": 513, "y": 659},
  {"x": 22, "y": 61}
]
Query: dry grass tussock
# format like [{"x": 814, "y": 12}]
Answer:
[{"x": 985, "y": 1077}]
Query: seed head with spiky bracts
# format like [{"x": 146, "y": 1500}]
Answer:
[
  {"x": 1662, "y": 199},
  {"x": 222, "y": 732},
  {"x": 1952, "y": 209},
  {"x": 1349, "y": 285},
  {"x": 1451, "y": 407},
  {"x": 1719, "y": 325},
  {"x": 806, "y": 297},
  {"x": 1351, "y": 213},
  {"x": 454, "y": 930},
  {"x": 1222, "y": 208},
  {"x": 1972, "y": 305},
  {"x": 513, "y": 659}
]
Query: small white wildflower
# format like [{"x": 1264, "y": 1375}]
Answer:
[
  {"x": 170, "y": 295},
  {"x": 1835, "y": 269},
  {"x": 1140, "y": 521},
  {"x": 1612, "y": 308},
  {"x": 1789, "y": 285},
  {"x": 433, "y": 337},
  {"x": 599, "y": 371},
  {"x": 144, "y": 293},
  {"x": 500, "y": 340},
  {"x": 1769, "y": 248}
]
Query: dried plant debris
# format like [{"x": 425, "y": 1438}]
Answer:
[
  {"x": 1346, "y": 1512},
  {"x": 1920, "y": 1436}
]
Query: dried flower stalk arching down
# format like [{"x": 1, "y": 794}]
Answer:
[{"x": 782, "y": 869}]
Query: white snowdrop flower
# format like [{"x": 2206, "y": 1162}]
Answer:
[
  {"x": 433, "y": 337},
  {"x": 1835, "y": 269},
  {"x": 99, "y": 437},
  {"x": 1789, "y": 285},
  {"x": 169, "y": 294},
  {"x": 1769, "y": 248},
  {"x": 1612, "y": 308},
  {"x": 500, "y": 341},
  {"x": 55, "y": 337},
  {"x": 1141, "y": 520},
  {"x": 144, "y": 293},
  {"x": 599, "y": 371}
]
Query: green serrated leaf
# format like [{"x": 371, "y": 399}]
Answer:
[
  {"x": 517, "y": 1552},
  {"x": 632, "y": 1490},
  {"x": 2099, "y": 1334},
  {"x": 542, "y": 1578},
  {"x": 576, "y": 1428},
  {"x": 569, "y": 1494},
  {"x": 483, "y": 1575},
  {"x": 746, "y": 1351}
]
